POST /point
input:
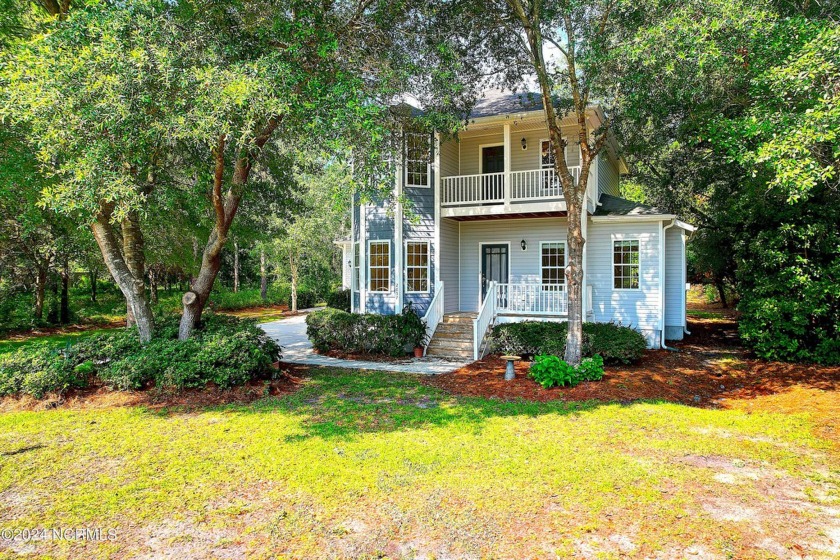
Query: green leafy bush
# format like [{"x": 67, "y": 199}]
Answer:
[
  {"x": 550, "y": 371},
  {"x": 226, "y": 351},
  {"x": 37, "y": 370},
  {"x": 333, "y": 329},
  {"x": 339, "y": 299},
  {"x": 613, "y": 342}
]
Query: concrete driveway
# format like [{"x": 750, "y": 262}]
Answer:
[{"x": 290, "y": 333}]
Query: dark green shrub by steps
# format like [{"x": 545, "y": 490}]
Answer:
[
  {"x": 333, "y": 329},
  {"x": 617, "y": 344},
  {"x": 226, "y": 351}
]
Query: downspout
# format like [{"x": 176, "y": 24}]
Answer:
[{"x": 662, "y": 281}]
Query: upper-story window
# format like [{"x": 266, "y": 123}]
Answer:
[
  {"x": 626, "y": 264},
  {"x": 379, "y": 266},
  {"x": 418, "y": 154},
  {"x": 546, "y": 155}
]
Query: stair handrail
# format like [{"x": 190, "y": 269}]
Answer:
[
  {"x": 486, "y": 314},
  {"x": 434, "y": 315}
]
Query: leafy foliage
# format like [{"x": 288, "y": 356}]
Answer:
[
  {"x": 613, "y": 342},
  {"x": 339, "y": 299},
  {"x": 333, "y": 329},
  {"x": 226, "y": 351},
  {"x": 550, "y": 371}
]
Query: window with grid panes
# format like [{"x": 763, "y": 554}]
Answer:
[
  {"x": 379, "y": 266},
  {"x": 626, "y": 264},
  {"x": 417, "y": 266}
]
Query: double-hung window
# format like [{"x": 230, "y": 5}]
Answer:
[
  {"x": 417, "y": 267},
  {"x": 626, "y": 264},
  {"x": 356, "y": 271},
  {"x": 417, "y": 159},
  {"x": 379, "y": 266},
  {"x": 553, "y": 265}
]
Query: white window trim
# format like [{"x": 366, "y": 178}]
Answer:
[
  {"x": 356, "y": 268},
  {"x": 428, "y": 184},
  {"x": 623, "y": 237},
  {"x": 565, "y": 262},
  {"x": 481, "y": 154},
  {"x": 369, "y": 267},
  {"x": 428, "y": 265}
]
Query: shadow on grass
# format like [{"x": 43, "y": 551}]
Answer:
[{"x": 339, "y": 404}]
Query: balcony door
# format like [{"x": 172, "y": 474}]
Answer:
[
  {"x": 493, "y": 161},
  {"x": 494, "y": 266}
]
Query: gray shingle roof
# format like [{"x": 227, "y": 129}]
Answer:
[
  {"x": 500, "y": 103},
  {"x": 615, "y": 206}
]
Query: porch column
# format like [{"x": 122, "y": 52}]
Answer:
[
  {"x": 507, "y": 166},
  {"x": 436, "y": 176},
  {"x": 398, "y": 236}
]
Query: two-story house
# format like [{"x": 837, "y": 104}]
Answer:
[{"x": 485, "y": 241}]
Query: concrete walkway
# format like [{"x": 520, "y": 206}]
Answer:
[{"x": 290, "y": 333}]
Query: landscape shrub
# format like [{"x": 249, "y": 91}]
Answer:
[
  {"x": 333, "y": 329},
  {"x": 339, "y": 299},
  {"x": 225, "y": 350},
  {"x": 615, "y": 343},
  {"x": 550, "y": 371},
  {"x": 38, "y": 369}
]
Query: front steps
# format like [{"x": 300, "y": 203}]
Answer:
[{"x": 453, "y": 337}]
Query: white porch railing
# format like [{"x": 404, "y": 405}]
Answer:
[
  {"x": 485, "y": 188},
  {"x": 537, "y": 184},
  {"x": 536, "y": 299},
  {"x": 434, "y": 315},
  {"x": 496, "y": 188},
  {"x": 486, "y": 314}
]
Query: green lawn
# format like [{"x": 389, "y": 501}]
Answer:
[
  {"x": 362, "y": 464},
  {"x": 57, "y": 340}
]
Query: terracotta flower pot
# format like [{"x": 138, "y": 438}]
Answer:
[{"x": 418, "y": 351}]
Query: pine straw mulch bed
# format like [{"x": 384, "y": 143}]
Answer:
[
  {"x": 98, "y": 396},
  {"x": 708, "y": 368}
]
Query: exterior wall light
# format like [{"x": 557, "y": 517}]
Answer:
[
  {"x": 523, "y": 244},
  {"x": 524, "y": 143}
]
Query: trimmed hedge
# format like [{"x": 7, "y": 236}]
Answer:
[
  {"x": 339, "y": 299},
  {"x": 333, "y": 329},
  {"x": 226, "y": 351},
  {"x": 613, "y": 342}
]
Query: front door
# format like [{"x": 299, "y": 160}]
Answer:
[
  {"x": 494, "y": 266},
  {"x": 493, "y": 161}
]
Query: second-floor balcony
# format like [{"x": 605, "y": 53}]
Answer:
[{"x": 509, "y": 190}]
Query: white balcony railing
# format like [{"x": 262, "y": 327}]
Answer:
[
  {"x": 498, "y": 188},
  {"x": 531, "y": 298},
  {"x": 487, "y": 188}
]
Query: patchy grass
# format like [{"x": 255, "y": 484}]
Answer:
[
  {"x": 368, "y": 464},
  {"x": 61, "y": 338},
  {"x": 700, "y": 314}
]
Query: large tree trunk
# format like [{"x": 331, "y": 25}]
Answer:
[
  {"x": 721, "y": 289},
  {"x": 573, "y": 192},
  {"x": 132, "y": 288},
  {"x": 293, "y": 268},
  {"x": 40, "y": 292},
  {"x": 153, "y": 284},
  {"x": 132, "y": 238},
  {"x": 235, "y": 267},
  {"x": 93, "y": 274},
  {"x": 225, "y": 207},
  {"x": 263, "y": 276},
  {"x": 64, "y": 306}
]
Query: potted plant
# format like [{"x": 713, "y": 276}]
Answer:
[{"x": 413, "y": 331}]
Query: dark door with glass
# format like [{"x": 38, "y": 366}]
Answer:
[
  {"x": 493, "y": 161},
  {"x": 494, "y": 266}
]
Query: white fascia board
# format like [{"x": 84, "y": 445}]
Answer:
[{"x": 636, "y": 219}]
